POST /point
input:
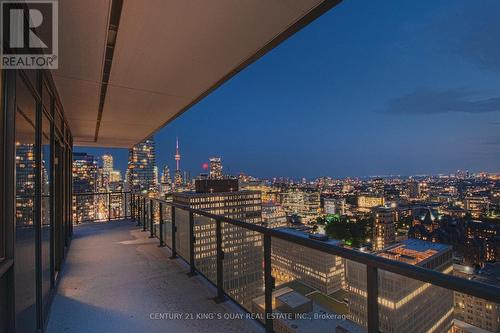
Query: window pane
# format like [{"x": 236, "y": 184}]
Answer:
[
  {"x": 46, "y": 208},
  {"x": 46, "y": 98},
  {"x": 25, "y": 196}
]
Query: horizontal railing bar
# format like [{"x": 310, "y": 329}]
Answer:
[
  {"x": 99, "y": 193},
  {"x": 470, "y": 287}
]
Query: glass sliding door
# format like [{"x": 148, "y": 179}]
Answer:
[{"x": 25, "y": 235}]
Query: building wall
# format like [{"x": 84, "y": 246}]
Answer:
[
  {"x": 369, "y": 201},
  {"x": 141, "y": 167},
  {"x": 314, "y": 268},
  {"x": 304, "y": 203},
  {"x": 243, "y": 249},
  {"x": 384, "y": 228},
  {"x": 405, "y": 305},
  {"x": 475, "y": 311}
]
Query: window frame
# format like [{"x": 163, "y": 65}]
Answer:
[{"x": 2, "y": 143}]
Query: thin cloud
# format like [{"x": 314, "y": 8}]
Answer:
[
  {"x": 428, "y": 101},
  {"x": 493, "y": 142}
]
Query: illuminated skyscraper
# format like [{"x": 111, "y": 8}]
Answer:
[
  {"x": 304, "y": 202},
  {"x": 107, "y": 163},
  {"x": 243, "y": 274},
  {"x": 166, "y": 180},
  {"x": 84, "y": 181},
  {"x": 104, "y": 173},
  {"x": 384, "y": 228},
  {"x": 215, "y": 168},
  {"x": 405, "y": 304},
  {"x": 141, "y": 166}
]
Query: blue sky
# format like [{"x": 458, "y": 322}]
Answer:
[{"x": 370, "y": 88}]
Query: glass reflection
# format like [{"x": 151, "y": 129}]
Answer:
[
  {"x": 46, "y": 209},
  {"x": 25, "y": 292}
]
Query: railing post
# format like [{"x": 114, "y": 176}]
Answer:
[
  {"x": 162, "y": 242},
  {"x": 76, "y": 209},
  {"x": 192, "y": 240},
  {"x": 174, "y": 230},
  {"x": 132, "y": 216},
  {"x": 220, "y": 263},
  {"x": 135, "y": 207},
  {"x": 125, "y": 207},
  {"x": 132, "y": 206},
  {"x": 138, "y": 210},
  {"x": 268, "y": 284},
  {"x": 144, "y": 214},
  {"x": 109, "y": 206},
  {"x": 151, "y": 219},
  {"x": 372, "y": 298}
]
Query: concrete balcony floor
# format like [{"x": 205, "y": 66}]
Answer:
[{"x": 116, "y": 278}]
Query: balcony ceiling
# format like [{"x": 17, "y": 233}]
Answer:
[{"x": 168, "y": 55}]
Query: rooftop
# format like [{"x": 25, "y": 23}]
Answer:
[
  {"x": 318, "y": 320},
  {"x": 413, "y": 251},
  {"x": 305, "y": 234}
]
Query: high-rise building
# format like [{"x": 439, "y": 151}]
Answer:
[
  {"x": 317, "y": 269},
  {"x": 477, "y": 205},
  {"x": 166, "y": 180},
  {"x": 84, "y": 181},
  {"x": 243, "y": 275},
  {"x": 215, "y": 168},
  {"x": 25, "y": 183},
  {"x": 304, "y": 202},
  {"x": 141, "y": 165},
  {"x": 104, "y": 173},
  {"x": 384, "y": 228},
  {"x": 273, "y": 215},
  {"x": 472, "y": 311},
  {"x": 156, "y": 177},
  {"x": 107, "y": 163},
  {"x": 405, "y": 304},
  {"x": 334, "y": 206}
]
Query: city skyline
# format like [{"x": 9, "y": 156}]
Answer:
[
  {"x": 120, "y": 156},
  {"x": 427, "y": 74}
]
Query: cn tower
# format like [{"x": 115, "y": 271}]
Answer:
[{"x": 177, "y": 155}]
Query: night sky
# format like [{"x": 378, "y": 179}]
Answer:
[{"x": 370, "y": 88}]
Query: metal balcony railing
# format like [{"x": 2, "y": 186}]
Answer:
[
  {"x": 174, "y": 226},
  {"x": 101, "y": 206}
]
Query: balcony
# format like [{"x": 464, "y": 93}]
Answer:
[
  {"x": 197, "y": 252},
  {"x": 117, "y": 279},
  {"x": 126, "y": 262}
]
